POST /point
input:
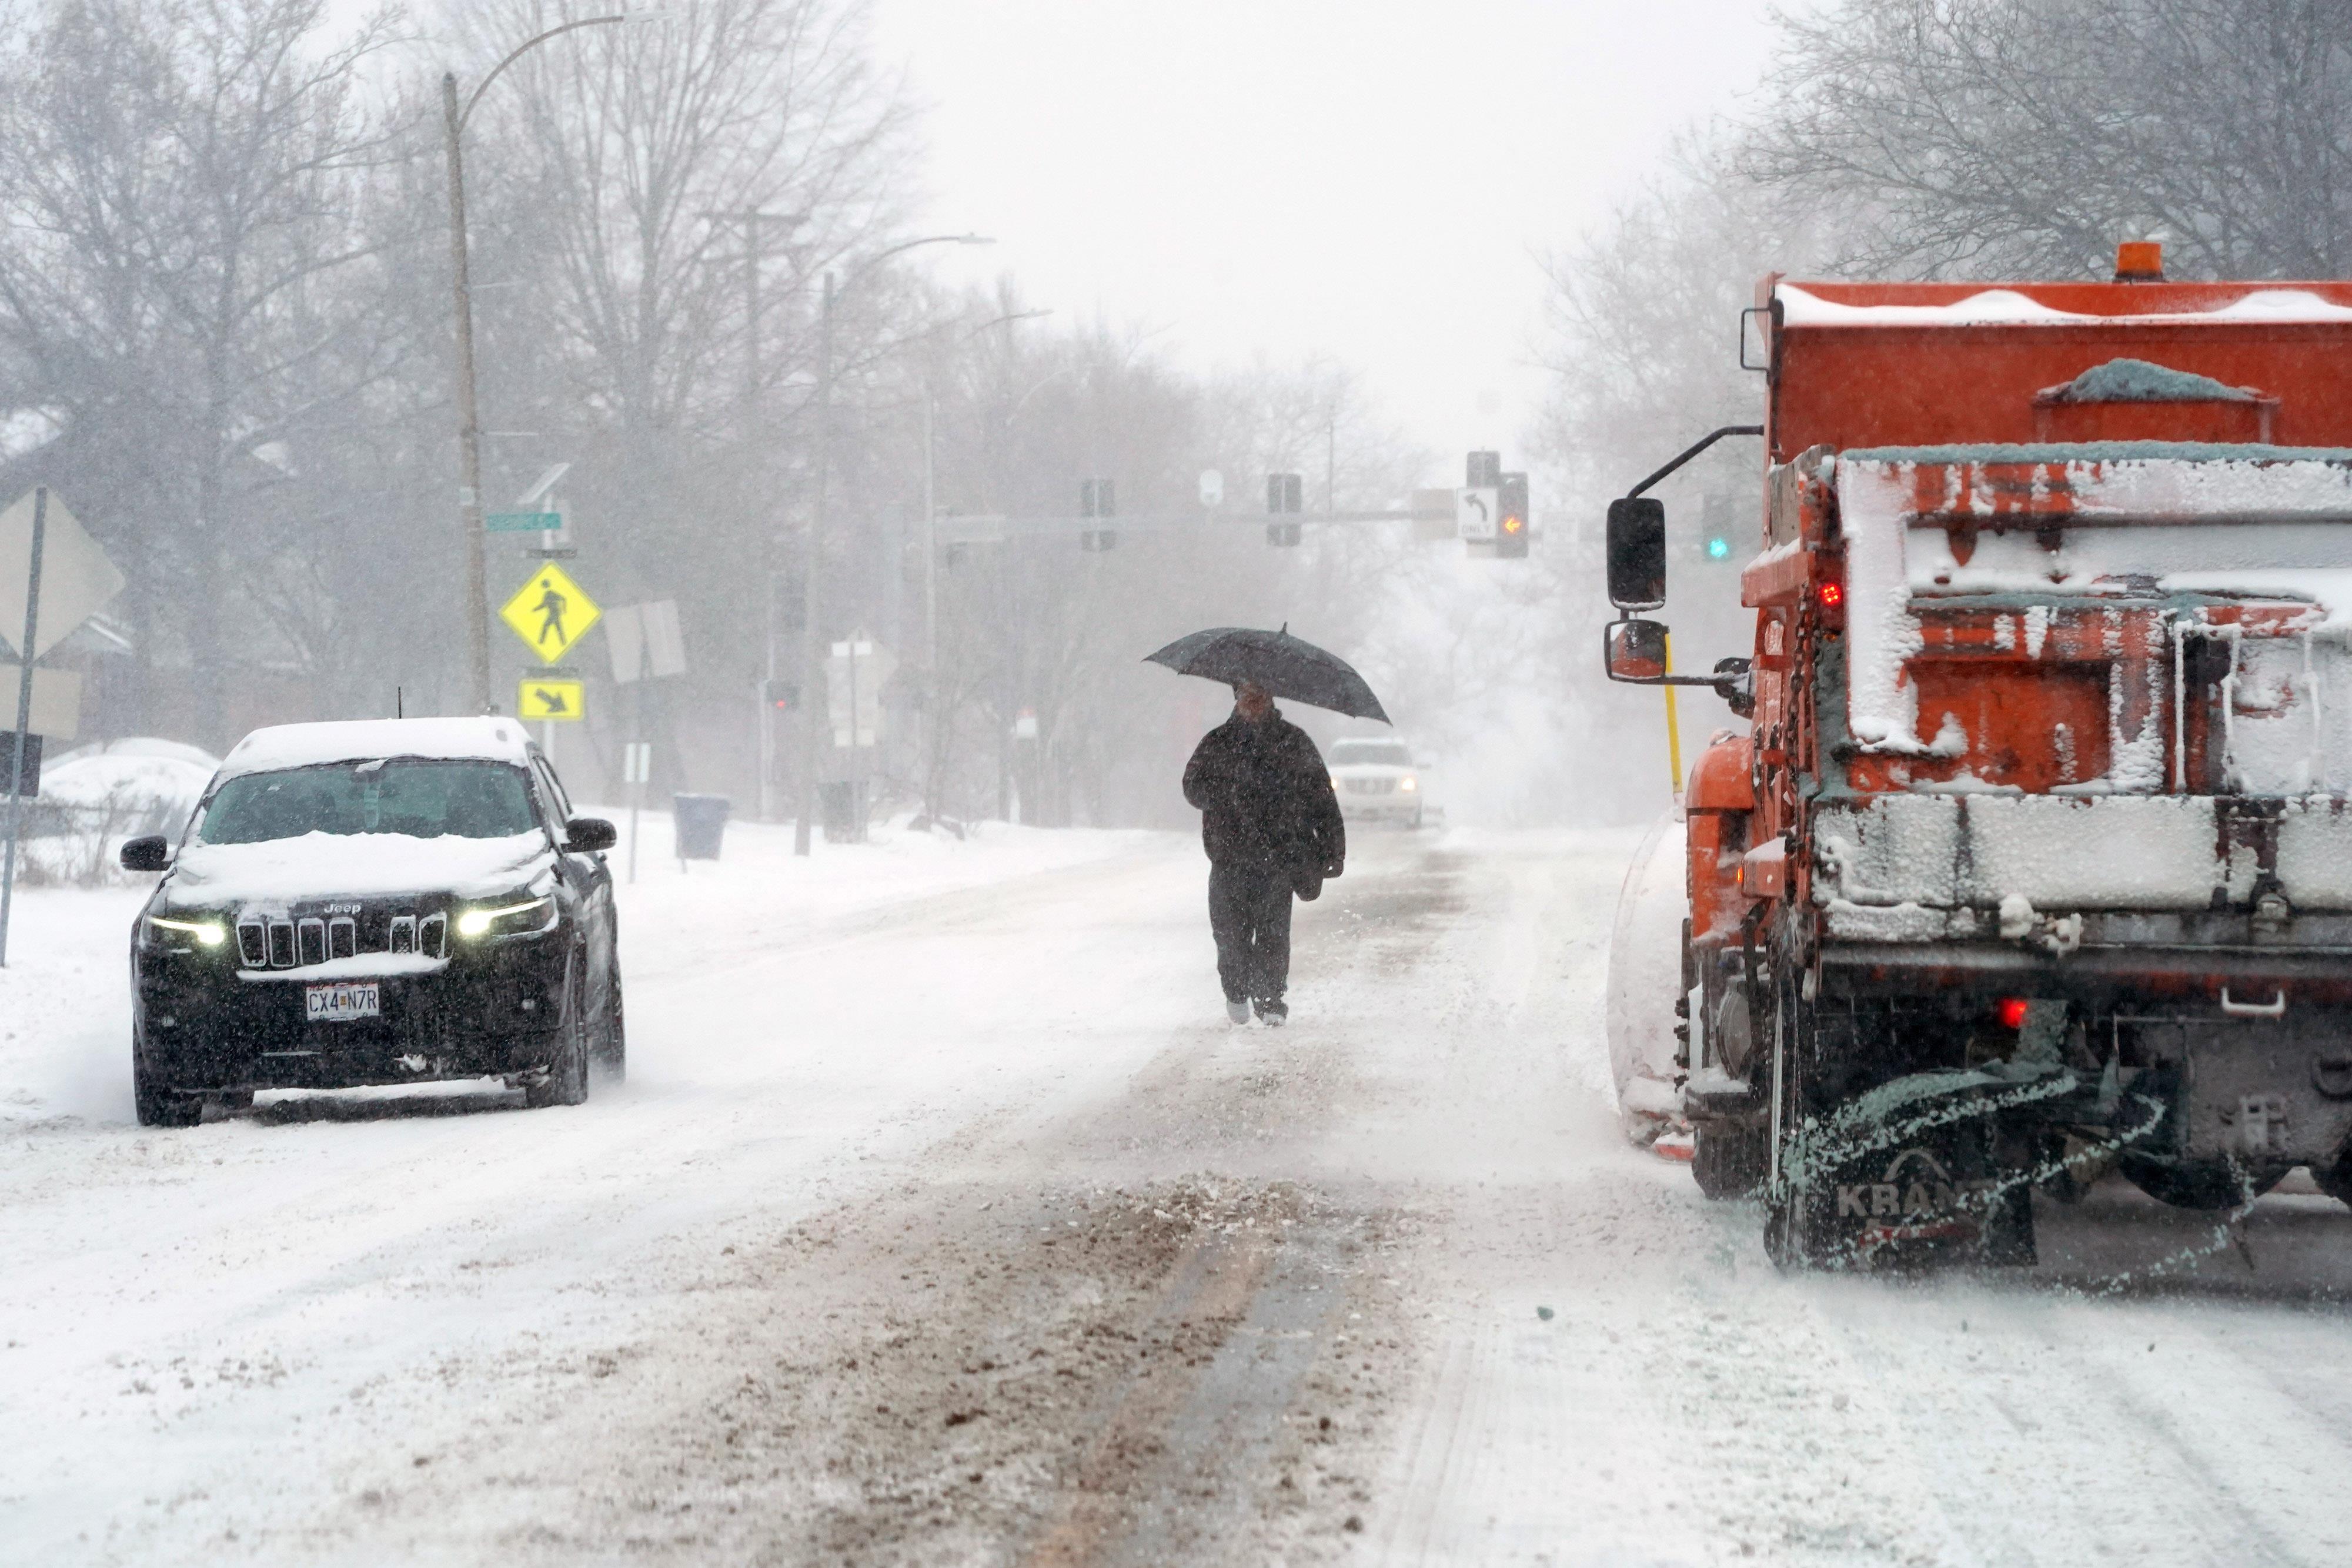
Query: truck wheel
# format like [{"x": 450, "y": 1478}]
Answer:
[
  {"x": 2207, "y": 1185},
  {"x": 156, "y": 1103},
  {"x": 1728, "y": 1159},
  {"x": 566, "y": 1083}
]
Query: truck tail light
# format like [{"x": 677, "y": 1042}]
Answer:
[{"x": 2011, "y": 1010}]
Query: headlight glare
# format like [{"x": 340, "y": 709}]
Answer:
[
  {"x": 505, "y": 917},
  {"x": 1408, "y": 783},
  {"x": 207, "y": 932}
]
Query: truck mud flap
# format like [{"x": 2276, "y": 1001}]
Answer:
[{"x": 1928, "y": 1171}]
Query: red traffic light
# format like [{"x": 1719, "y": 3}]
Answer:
[{"x": 2011, "y": 1010}]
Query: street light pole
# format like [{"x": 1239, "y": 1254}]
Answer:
[
  {"x": 812, "y": 642},
  {"x": 470, "y": 427},
  {"x": 812, "y": 692}
]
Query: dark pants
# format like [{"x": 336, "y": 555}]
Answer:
[{"x": 1249, "y": 913}]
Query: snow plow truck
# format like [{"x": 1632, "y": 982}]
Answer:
[{"x": 2032, "y": 856}]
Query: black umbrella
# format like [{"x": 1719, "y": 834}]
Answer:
[{"x": 1277, "y": 661}]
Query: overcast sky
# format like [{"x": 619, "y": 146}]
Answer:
[{"x": 1368, "y": 180}]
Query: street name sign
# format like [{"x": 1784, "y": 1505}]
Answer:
[
  {"x": 551, "y": 700},
  {"x": 550, "y": 613},
  {"x": 523, "y": 523}
]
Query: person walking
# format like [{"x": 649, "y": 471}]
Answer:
[{"x": 1272, "y": 828}]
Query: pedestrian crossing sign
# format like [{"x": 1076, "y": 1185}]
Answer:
[
  {"x": 550, "y": 613},
  {"x": 550, "y": 699}
]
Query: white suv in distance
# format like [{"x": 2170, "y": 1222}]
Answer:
[{"x": 1377, "y": 780}]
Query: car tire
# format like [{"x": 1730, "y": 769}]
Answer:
[
  {"x": 566, "y": 1083},
  {"x": 612, "y": 1062},
  {"x": 158, "y": 1104}
]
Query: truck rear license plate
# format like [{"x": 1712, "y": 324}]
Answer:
[{"x": 339, "y": 1004}]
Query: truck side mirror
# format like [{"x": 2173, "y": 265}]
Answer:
[
  {"x": 1637, "y": 553},
  {"x": 151, "y": 852},
  {"x": 1637, "y": 651}
]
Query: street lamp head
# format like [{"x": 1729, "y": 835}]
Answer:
[
  {"x": 975, "y": 239},
  {"x": 642, "y": 15}
]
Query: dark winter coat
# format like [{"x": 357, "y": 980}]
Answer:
[{"x": 1266, "y": 799}]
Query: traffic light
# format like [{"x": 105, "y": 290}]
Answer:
[
  {"x": 1714, "y": 528},
  {"x": 782, "y": 695},
  {"x": 1511, "y": 517},
  {"x": 1285, "y": 496},
  {"x": 1483, "y": 471},
  {"x": 1098, "y": 498}
]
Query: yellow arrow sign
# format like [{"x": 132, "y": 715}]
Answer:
[
  {"x": 550, "y": 699},
  {"x": 550, "y": 613}
]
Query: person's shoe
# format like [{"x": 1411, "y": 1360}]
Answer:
[
  {"x": 1238, "y": 1011},
  {"x": 1274, "y": 1015}
]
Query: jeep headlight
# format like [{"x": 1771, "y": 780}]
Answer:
[
  {"x": 1408, "y": 783},
  {"x": 203, "y": 933},
  {"x": 506, "y": 919}
]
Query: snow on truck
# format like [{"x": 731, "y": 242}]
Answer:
[{"x": 2034, "y": 855}]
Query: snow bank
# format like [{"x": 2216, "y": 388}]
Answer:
[
  {"x": 1645, "y": 966},
  {"x": 95, "y": 797}
]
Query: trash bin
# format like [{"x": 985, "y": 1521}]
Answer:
[
  {"x": 843, "y": 812},
  {"x": 699, "y": 821}
]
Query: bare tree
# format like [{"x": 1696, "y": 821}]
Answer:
[
  {"x": 183, "y": 184},
  {"x": 2030, "y": 135}
]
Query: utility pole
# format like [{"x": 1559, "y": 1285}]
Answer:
[
  {"x": 469, "y": 424},
  {"x": 812, "y": 643},
  {"x": 755, "y": 224},
  {"x": 811, "y": 597}
]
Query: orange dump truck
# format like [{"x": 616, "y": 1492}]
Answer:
[{"x": 2034, "y": 856}]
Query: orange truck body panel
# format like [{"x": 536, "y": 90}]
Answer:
[{"x": 1908, "y": 383}]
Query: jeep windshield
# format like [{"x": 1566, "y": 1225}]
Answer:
[
  {"x": 413, "y": 796},
  {"x": 1370, "y": 753}
]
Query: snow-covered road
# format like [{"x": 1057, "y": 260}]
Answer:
[{"x": 943, "y": 1219}]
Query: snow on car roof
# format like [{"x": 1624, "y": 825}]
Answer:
[{"x": 279, "y": 745}]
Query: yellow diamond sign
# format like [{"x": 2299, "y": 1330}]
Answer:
[
  {"x": 550, "y": 613},
  {"x": 550, "y": 699}
]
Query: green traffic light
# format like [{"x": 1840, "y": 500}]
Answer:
[{"x": 1718, "y": 549}]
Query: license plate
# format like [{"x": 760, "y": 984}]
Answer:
[{"x": 339, "y": 1004}]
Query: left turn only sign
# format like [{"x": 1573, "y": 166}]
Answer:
[
  {"x": 550, "y": 613},
  {"x": 550, "y": 699}
]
